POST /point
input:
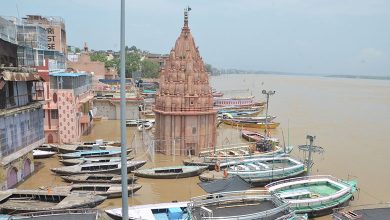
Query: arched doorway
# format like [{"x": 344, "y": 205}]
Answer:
[
  {"x": 12, "y": 177},
  {"x": 26, "y": 168},
  {"x": 50, "y": 138}
]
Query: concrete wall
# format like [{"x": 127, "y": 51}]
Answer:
[{"x": 111, "y": 110}]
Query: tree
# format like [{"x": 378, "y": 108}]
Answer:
[
  {"x": 77, "y": 50},
  {"x": 150, "y": 68},
  {"x": 98, "y": 57},
  {"x": 209, "y": 68}
]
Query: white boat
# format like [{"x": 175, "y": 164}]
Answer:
[
  {"x": 145, "y": 126},
  {"x": 40, "y": 154}
]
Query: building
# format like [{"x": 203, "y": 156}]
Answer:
[
  {"x": 8, "y": 45},
  {"x": 68, "y": 111},
  {"x": 21, "y": 124},
  {"x": 185, "y": 118},
  {"x": 82, "y": 62},
  {"x": 55, "y": 27}
]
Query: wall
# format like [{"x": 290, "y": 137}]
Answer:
[{"x": 111, "y": 110}]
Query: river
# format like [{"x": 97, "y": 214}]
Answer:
[{"x": 349, "y": 117}]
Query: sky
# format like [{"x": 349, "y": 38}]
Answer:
[{"x": 298, "y": 36}]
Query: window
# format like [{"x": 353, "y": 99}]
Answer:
[
  {"x": 54, "y": 114},
  {"x": 193, "y": 130}
]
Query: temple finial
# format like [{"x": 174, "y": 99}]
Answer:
[{"x": 186, "y": 10}]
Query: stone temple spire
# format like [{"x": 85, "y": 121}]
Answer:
[{"x": 184, "y": 102}]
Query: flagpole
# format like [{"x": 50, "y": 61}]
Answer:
[{"x": 125, "y": 211}]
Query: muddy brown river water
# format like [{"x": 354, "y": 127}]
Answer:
[{"x": 350, "y": 118}]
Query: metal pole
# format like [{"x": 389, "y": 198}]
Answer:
[
  {"x": 125, "y": 211},
  {"x": 309, "y": 162},
  {"x": 266, "y": 118}
]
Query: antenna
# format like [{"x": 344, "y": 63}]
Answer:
[{"x": 311, "y": 149}]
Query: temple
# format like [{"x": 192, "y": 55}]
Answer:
[{"x": 185, "y": 118}]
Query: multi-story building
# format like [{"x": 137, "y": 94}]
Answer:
[
  {"x": 68, "y": 111},
  {"x": 55, "y": 27},
  {"x": 21, "y": 124}
]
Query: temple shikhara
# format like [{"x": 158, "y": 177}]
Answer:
[{"x": 185, "y": 118}]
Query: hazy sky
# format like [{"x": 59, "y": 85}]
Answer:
[{"x": 301, "y": 36}]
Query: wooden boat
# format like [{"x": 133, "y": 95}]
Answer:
[
  {"x": 237, "y": 101},
  {"x": 47, "y": 147},
  {"x": 252, "y": 204},
  {"x": 172, "y": 172},
  {"x": 84, "y": 214},
  {"x": 173, "y": 210},
  {"x": 136, "y": 122},
  {"x": 364, "y": 212},
  {"x": 250, "y": 124},
  {"x": 145, "y": 126},
  {"x": 314, "y": 195},
  {"x": 108, "y": 190},
  {"x": 70, "y": 148},
  {"x": 97, "y": 118},
  {"x": 92, "y": 153},
  {"x": 19, "y": 201},
  {"x": 148, "y": 114},
  {"x": 259, "y": 171},
  {"x": 252, "y": 136},
  {"x": 224, "y": 156},
  {"x": 41, "y": 154},
  {"x": 239, "y": 114},
  {"x": 98, "y": 142},
  {"x": 110, "y": 167},
  {"x": 71, "y": 162},
  {"x": 98, "y": 178}
]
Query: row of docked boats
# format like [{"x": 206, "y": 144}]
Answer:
[{"x": 294, "y": 198}]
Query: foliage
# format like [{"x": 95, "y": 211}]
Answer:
[
  {"x": 77, "y": 50},
  {"x": 150, "y": 68}
]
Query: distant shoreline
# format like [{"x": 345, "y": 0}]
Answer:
[{"x": 305, "y": 74}]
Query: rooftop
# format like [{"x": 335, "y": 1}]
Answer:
[{"x": 68, "y": 74}]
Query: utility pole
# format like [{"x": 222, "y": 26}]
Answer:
[
  {"x": 267, "y": 93},
  {"x": 125, "y": 211},
  {"x": 310, "y": 149}
]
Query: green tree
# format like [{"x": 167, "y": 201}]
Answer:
[
  {"x": 77, "y": 50},
  {"x": 98, "y": 57},
  {"x": 150, "y": 68}
]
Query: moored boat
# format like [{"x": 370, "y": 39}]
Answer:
[
  {"x": 98, "y": 178},
  {"x": 98, "y": 142},
  {"x": 167, "y": 211},
  {"x": 92, "y": 153},
  {"x": 70, "y": 148},
  {"x": 19, "y": 201},
  {"x": 71, "y": 162},
  {"x": 41, "y": 154},
  {"x": 84, "y": 214},
  {"x": 145, "y": 126},
  {"x": 259, "y": 171},
  {"x": 224, "y": 156},
  {"x": 109, "y": 167},
  {"x": 363, "y": 212},
  {"x": 136, "y": 122},
  {"x": 250, "y": 124},
  {"x": 172, "y": 172},
  {"x": 252, "y": 136},
  {"x": 252, "y": 204},
  {"x": 237, "y": 101},
  {"x": 102, "y": 189},
  {"x": 314, "y": 195}
]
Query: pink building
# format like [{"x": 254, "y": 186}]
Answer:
[
  {"x": 185, "y": 118},
  {"x": 68, "y": 108}
]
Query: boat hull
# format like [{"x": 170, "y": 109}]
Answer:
[
  {"x": 85, "y": 179},
  {"x": 184, "y": 174},
  {"x": 271, "y": 125}
]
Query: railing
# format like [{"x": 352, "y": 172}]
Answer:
[{"x": 304, "y": 178}]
